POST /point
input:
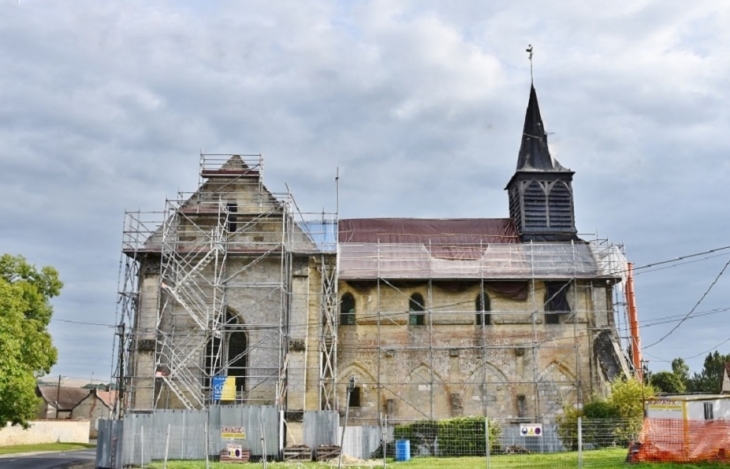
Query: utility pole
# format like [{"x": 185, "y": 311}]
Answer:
[
  {"x": 58, "y": 395},
  {"x": 120, "y": 377}
]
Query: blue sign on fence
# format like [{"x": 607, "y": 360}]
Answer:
[{"x": 218, "y": 382}]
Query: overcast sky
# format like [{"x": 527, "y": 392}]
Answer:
[{"x": 105, "y": 106}]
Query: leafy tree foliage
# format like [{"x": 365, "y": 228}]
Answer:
[
  {"x": 668, "y": 382},
  {"x": 26, "y": 350},
  {"x": 681, "y": 369},
  {"x": 710, "y": 379},
  {"x": 614, "y": 420}
]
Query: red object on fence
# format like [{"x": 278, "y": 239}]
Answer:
[{"x": 678, "y": 440}]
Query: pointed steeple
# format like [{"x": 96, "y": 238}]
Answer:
[
  {"x": 540, "y": 191},
  {"x": 534, "y": 152}
]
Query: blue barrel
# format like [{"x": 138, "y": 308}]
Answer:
[{"x": 402, "y": 450}]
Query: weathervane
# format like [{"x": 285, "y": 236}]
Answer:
[{"x": 529, "y": 51}]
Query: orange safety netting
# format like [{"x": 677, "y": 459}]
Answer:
[{"x": 675, "y": 440}]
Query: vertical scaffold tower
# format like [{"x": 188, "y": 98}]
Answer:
[{"x": 208, "y": 289}]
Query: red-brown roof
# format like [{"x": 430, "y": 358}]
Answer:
[
  {"x": 454, "y": 231},
  {"x": 107, "y": 397}
]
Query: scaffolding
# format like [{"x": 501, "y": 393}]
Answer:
[
  {"x": 206, "y": 290},
  {"x": 235, "y": 281},
  {"x": 456, "y": 360}
]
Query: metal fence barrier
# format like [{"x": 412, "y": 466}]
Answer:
[{"x": 259, "y": 432}]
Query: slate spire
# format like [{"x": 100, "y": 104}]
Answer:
[
  {"x": 540, "y": 191},
  {"x": 534, "y": 153}
]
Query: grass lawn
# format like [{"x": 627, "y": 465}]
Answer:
[
  {"x": 605, "y": 458},
  {"x": 43, "y": 447}
]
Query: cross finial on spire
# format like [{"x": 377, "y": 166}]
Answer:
[{"x": 529, "y": 51}]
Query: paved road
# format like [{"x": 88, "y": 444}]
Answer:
[{"x": 47, "y": 460}]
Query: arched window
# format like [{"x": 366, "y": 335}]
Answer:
[
  {"x": 226, "y": 354},
  {"x": 347, "y": 309},
  {"x": 483, "y": 307},
  {"x": 416, "y": 307}
]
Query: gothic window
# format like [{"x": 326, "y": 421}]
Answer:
[
  {"x": 416, "y": 317},
  {"x": 227, "y": 353},
  {"x": 347, "y": 309},
  {"x": 556, "y": 301},
  {"x": 483, "y": 307}
]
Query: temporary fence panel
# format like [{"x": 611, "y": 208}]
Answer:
[
  {"x": 109, "y": 444},
  {"x": 260, "y": 425},
  {"x": 682, "y": 441},
  {"x": 320, "y": 428},
  {"x": 361, "y": 442},
  {"x": 188, "y": 434}
]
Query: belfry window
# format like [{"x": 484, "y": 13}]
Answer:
[
  {"x": 347, "y": 310},
  {"x": 483, "y": 308},
  {"x": 416, "y": 316}
]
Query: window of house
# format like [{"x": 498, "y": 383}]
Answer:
[
  {"x": 483, "y": 307},
  {"x": 232, "y": 220},
  {"x": 709, "y": 414},
  {"x": 556, "y": 301},
  {"x": 347, "y": 309},
  {"x": 416, "y": 317},
  {"x": 355, "y": 396}
]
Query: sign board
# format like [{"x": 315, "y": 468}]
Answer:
[
  {"x": 234, "y": 451},
  {"x": 236, "y": 433},
  {"x": 665, "y": 405},
  {"x": 217, "y": 385},
  {"x": 224, "y": 388},
  {"x": 229, "y": 389},
  {"x": 530, "y": 429}
]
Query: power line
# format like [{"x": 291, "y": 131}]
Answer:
[
  {"x": 83, "y": 322},
  {"x": 694, "y": 307},
  {"x": 676, "y": 259}
]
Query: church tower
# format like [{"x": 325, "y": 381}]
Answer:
[{"x": 540, "y": 191}]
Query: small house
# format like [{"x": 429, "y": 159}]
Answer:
[
  {"x": 98, "y": 404},
  {"x": 58, "y": 401}
]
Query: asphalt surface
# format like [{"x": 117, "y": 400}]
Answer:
[{"x": 47, "y": 460}]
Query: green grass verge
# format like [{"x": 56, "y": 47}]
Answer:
[
  {"x": 43, "y": 447},
  {"x": 605, "y": 458}
]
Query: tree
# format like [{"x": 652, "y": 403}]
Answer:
[
  {"x": 681, "y": 369},
  {"x": 614, "y": 420},
  {"x": 668, "y": 382},
  {"x": 26, "y": 349},
  {"x": 710, "y": 379},
  {"x": 628, "y": 396}
]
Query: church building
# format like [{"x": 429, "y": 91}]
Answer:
[{"x": 514, "y": 318}]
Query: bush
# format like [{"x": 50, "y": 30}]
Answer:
[
  {"x": 607, "y": 422},
  {"x": 463, "y": 436}
]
